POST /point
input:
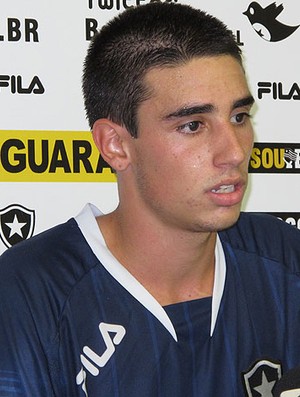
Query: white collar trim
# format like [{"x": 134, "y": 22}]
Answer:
[{"x": 87, "y": 223}]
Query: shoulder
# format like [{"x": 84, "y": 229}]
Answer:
[
  {"x": 59, "y": 256},
  {"x": 267, "y": 237},
  {"x": 63, "y": 240}
]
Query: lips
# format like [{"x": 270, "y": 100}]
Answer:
[{"x": 228, "y": 193}]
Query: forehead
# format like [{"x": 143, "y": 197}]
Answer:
[{"x": 217, "y": 80}]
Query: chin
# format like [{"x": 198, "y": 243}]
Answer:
[
  {"x": 221, "y": 221},
  {"x": 227, "y": 220}
]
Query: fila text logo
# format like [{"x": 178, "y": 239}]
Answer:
[
  {"x": 17, "y": 86},
  {"x": 277, "y": 91},
  {"x": 91, "y": 361}
]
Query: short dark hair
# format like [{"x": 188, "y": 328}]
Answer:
[{"x": 137, "y": 40}]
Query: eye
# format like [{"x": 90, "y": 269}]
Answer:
[
  {"x": 190, "y": 128},
  {"x": 240, "y": 118}
]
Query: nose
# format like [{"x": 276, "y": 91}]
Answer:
[{"x": 233, "y": 145}]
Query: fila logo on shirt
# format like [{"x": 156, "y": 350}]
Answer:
[{"x": 91, "y": 361}]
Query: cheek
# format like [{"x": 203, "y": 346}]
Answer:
[
  {"x": 194, "y": 160},
  {"x": 157, "y": 159},
  {"x": 159, "y": 175},
  {"x": 170, "y": 168},
  {"x": 151, "y": 166}
]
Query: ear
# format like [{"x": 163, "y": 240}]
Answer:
[{"x": 110, "y": 139}]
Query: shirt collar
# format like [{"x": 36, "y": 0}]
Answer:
[{"x": 87, "y": 223}]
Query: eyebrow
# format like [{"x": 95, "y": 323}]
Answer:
[
  {"x": 247, "y": 101},
  {"x": 206, "y": 108},
  {"x": 190, "y": 110}
]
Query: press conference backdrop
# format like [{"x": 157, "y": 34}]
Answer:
[{"x": 49, "y": 167}]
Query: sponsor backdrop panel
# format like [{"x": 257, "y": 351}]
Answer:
[
  {"x": 48, "y": 205},
  {"x": 49, "y": 167}
]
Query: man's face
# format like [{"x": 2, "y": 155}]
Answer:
[{"x": 195, "y": 137}]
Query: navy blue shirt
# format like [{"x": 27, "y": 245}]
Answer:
[{"x": 69, "y": 328}]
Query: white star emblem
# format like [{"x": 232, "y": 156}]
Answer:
[
  {"x": 15, "y": 227},
  {"x": 266, "y": 387}
]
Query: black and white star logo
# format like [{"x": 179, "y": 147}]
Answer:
[
  {"x": 260, "y": 379},
  {"x": 266, "y": 387},
  {"x": 16, "y": 224},
  {"x": 15, "y": 227}
]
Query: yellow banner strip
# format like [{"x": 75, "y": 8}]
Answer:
[{"x": 51, "y": 156}]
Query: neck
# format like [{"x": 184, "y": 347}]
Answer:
[{"x": 173, "y": 265}]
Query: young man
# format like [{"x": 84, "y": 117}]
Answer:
[{"x": 174, "y": 293}]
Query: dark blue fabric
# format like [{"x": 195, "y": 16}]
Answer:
[{"x": 54, "y": 293}]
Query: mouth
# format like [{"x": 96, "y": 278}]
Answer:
[
  {"x": 224, "y": 189},
  {"x": 228, "y": 193}
]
